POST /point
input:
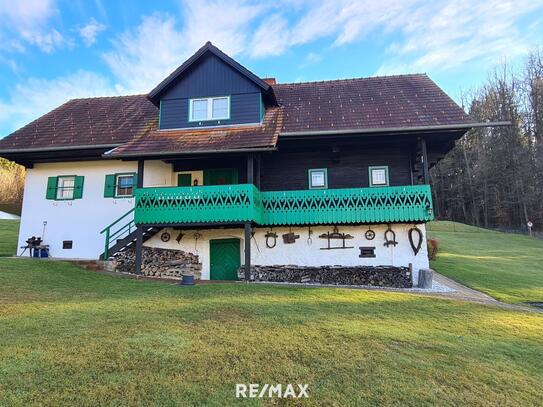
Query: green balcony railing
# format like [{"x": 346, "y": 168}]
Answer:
[
  {"x": 242, "y": 203},
  {"x": 218, "y": 203},
  {"x": 355, "y": 205}
]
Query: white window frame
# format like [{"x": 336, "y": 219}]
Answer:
[
  {"x": 379, "y": 168},
  {"x": 117, "y": 185},
  {"x": 324, "y": 172},
  {"x": 62, "y": 189},
  {"x": 209, "y": 109}
]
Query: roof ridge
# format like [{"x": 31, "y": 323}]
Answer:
[{"x": 353, "y": 79}]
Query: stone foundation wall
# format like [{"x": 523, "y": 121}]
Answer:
[
  {"x": 160, "y": 263},
  {"x": 380, "y": 276}
]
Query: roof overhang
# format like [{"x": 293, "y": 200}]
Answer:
[
  {"x": 394, "y": 130},
  {"x": 173, "y": 154}
]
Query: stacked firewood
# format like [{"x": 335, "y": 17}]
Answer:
[
  {"x": 380, "y": 276},
  {"x": 160, "y": 263}
]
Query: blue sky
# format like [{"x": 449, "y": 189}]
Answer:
[{"x": 53, "y": 50}]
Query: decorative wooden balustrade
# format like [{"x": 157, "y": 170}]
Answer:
[
  {"x": 204, "y": 204},
  {"x": 358, "y": 205},
  {"x": 242, "y": 203}
]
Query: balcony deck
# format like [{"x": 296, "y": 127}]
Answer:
[{"x": 245, "y": 203}]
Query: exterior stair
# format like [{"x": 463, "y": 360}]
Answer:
[{"x": 122, "y": 233}]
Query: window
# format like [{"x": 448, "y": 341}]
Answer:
[
  {"x": 318, "y": 178},
  {"x": 378, "y": 176},
  {"x": 125, "y": 185},
  {"x": 120, "y": 185},
  {"x": 217, "y": 108},
  {"x": 65, "y": 187},
  {"x": 67, "y": 244}
]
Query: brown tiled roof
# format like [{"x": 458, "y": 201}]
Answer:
[
  {"x": 364, "y": 104},
  {"x": 367, "y": 103},
  {"x": 259, "y": 137},
  {"x": 86, "y": 122}
]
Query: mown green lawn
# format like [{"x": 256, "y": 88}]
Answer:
[
  {"x": 75, "y": 337},
  {"x": 8, "y": 237},
  {"x": 506, "y": 266}
]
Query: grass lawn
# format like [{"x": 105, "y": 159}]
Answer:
[
  {"x": 8, "y": 237},
  {"x": 506, "y": 266},
  {"x": 74, "y": 337}
]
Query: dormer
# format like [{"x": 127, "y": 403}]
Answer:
[{"x": 210, "y": 89}]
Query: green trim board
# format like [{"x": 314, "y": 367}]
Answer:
[
  {"x": 311, "y": 173},
  {"x": 244, "y": 202},
  {"x": 224, "y": 258},
  {"x": 378, "y": 168}
]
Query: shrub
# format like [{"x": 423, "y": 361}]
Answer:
[{"x": 433, "y": 247}]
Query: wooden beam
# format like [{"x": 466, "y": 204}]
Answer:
[
  {"x": 258, "y": 170},
  {"x": 425, "y": 169},
  {"x": 250, "y": 169},
  {"x": 247, "y": 238},
  {"x": 139, "y": 228}
]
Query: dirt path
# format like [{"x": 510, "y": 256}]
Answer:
[{"x": 464, "y": 293}]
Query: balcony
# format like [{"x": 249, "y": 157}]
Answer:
[{"x": 245, "y": 203}]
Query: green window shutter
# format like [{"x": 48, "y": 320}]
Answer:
[
  {"x": 109, "y": 186},
  {"x": 52, "y": 183},
  {"x": 78, "y": 187},
  {"x": 184, "y": 180}
]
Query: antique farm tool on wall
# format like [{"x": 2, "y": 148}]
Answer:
[
  {"x": 271, "y": 239},
  {"x": 335, "y": 235},
  {"x": 418, "y": 244},
  {"x": 368, "y": 251},
  {"x": 370, "y": 234},
  {"x": 309, "y": 233},
  {"x": 179, "y": 237},
  {"x": 390, "y": 237},
  {"x": 197, "y": 235},
  {"x": 165, "y": 237},
  {"x": 290, "y": 237}
]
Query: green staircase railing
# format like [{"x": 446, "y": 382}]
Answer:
[
  {"x": 118, "y": 230},
  {"x": 242, "y": 203}
]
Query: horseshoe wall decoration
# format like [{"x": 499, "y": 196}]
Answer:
[
  {"x": 268, "y": 236},
  {"x": 390, "y": 237},
  {"x": 416, "y": 247}
]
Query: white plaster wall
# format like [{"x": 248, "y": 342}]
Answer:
[
  {"x": 157, "y": 173},
  {"x": 79, "y": 220},
  {"x": 303, "y": 254}
]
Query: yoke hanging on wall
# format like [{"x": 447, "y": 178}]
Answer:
[
  {"x": 418, "y": 244},
  {"x": 270, "y": 244},
  {"x": 335, "y": 235},
  {"x": 390, "y": 237}
]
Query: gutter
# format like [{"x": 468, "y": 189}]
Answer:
[
  {"x": 395, "y": 129},
  {"x": 176, "y": 153},
  {"x": 59, "y": 148}
]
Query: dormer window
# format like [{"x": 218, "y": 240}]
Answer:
[{"x": 215, "y": 108}]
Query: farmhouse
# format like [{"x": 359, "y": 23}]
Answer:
[{"x": 226, "y": 174}]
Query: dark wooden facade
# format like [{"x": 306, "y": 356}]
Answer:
[{"x": 211, "y": 77}]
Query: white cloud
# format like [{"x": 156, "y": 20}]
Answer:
[
  {"x": 90, "y": 31},
  {"x": 35, "y": 97},
  {"x": 27, "y": 23},
  {"x": 142, "y": 57}
]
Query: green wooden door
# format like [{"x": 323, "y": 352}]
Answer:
[
  {"x": 221, "y": 176},
  {"x": 184, "y": 180},
  {"x": 224, "y": 258}
]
